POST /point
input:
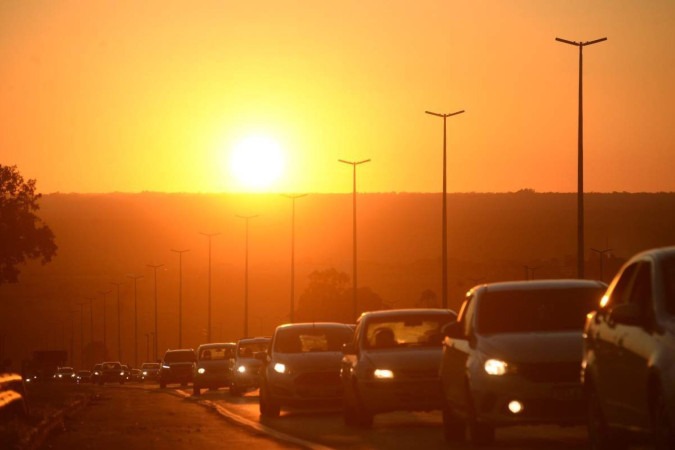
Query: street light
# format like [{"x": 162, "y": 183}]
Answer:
[
  {"x": 104, "y": 294},
  {"x": 247, "y": 219},
  {"x": 208, "y": 329},
  {"x": 354, "y": 276},
  {"x": 155, "y": 339},
  {"x": 180, "y": 295},
  {"x": 444, "y": 234},
  {"x": 293, "y": 198},
  {"x": 135, "y": 278},
  {"x": 601, "y": 254},
  {"x": 119, "y": 322},
  {"x": 81, "y": 305},
  {"x": 580, "y": 156},
  {"x": 91, "y": 320}
]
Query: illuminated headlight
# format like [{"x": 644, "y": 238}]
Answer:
[
  {"x": 201, "y": 371},
  {"x": 72, "y": 375},
  {"x": 280, "y": 368},
  {"x": 145, "y": 373},
  {"x": 60, "y": 375},
  {"x": 496, "y": 367},
  {"x": 121, "y": 373},
  {"x": 241, "y": 369},
  {"x": 164, "y": 366},
  {"x": 97, "y": 373},
  {"x": 515, "y": 407},
  {"x": 383, "y": 374}
]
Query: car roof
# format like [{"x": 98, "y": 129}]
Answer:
[
  {"x": 407, "y": 312},
  {"x": 254, "y": 339},
  {"x": 655, "y": 253},
  {"x": 171, "y": 350},
  {"x": 217, "y": 345},
  {"x": 311, "y": 325},
  {"x": 534, "y": 285}
]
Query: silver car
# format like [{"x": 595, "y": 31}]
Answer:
[
  {"x": 629, "y": 355},
  {"x": 393, "y": 363},
  {"x": 213, "y": 366},
  {"x": 514, "y": 357},
  {"x": 302, "y": 366}
]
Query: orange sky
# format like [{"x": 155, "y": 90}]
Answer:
[{"x": 101, "y": 96}]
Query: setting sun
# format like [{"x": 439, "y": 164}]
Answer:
[{"x": 256, "y": 163}]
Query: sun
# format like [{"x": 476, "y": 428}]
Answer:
[{"x": 257, "y": 162}]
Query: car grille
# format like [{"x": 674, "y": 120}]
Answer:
[
  {"x": 563, "y": 372},
  {"x": 429, "y": 374},
  {"x": 318, "y": 379}
]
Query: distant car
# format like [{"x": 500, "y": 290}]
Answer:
[
  {"x": 392, "y": 363},
  {"x": 135, "y": 375},
  {"x": 83, "y": 376},
  {"x": 246, "y": 369},
  {"x": 65, "y": 375},
  {"x": 213, "y": 367},
  {"x": 126, "y": 372},
  {"x": 513, "y": 357},
  {"x": 302, "y": 366},
  {"x": 629, "y": 356},
  {"x": 176, "y": 367},
  {"x": 111, "y": 372},
  {"x": 149, "y": 371},
  {"x": 96, "y": 373}
]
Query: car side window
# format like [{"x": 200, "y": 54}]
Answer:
[
  {"x": 668, "y": 275},
  {"x": 641, "y": 292},
  {"x": 467, "y": 313},
  {"x": 621, "y": 290}
]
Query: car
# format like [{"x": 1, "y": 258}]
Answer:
[
  {"x": 176, "y": 367},
  {"x": 126, "y": 372},
  {"x": 65, "y": 375},
  {"x": 111, "y": 371},
  {"x": 246, "y": 368},
  {"x": 149, "y": 371},
  {"x": 513, "y": 357},
  {"x": 135, "y": 375},
  {"x": 392, "y": 364},
  {"x": 83, "y": 376},
  {"x": 629, "y": 356},
  {"x": 213, "y": 366},
  {"x": 301, "y": 367},
  {"x": 96, "y": 372}
]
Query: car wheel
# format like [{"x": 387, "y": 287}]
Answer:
[
  {"x": 354, "y": 412},
  {"x": 599, "y": 433},
  {"x": 196, "y": 390},
  {"x": 454, "y": 428},
  {"x": 268, "y": 406},
  {"x": 663, "y": 435},
  {"x": 479, "y": 433}
]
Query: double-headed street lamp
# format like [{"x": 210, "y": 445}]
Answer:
[
  {"x": 247, "y": 219},
  {"x": 354, "y": 276},
  {"x": 580, "y": 156},
  {"x": 154, "y": 267},
  {"x": 444, "y": 234},
  {"x": 180, "y": 295},
  {"x": 135, "y": 278},
  {"x": 293, "y": 198},
  {"x": 601, "y": 255},
  {"x": 208, "y": 327}
]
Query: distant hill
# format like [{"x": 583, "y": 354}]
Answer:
[{"x": 491, "y": 237}]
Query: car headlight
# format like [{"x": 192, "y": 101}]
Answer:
[
  {"x": 241, "y": 369},
  {"x": 164, "y": 366},
  {"x": 145, "y": 373},
  {"x": 383, "y": 374},
  {"x": 201, "y": 371},
  {"x": 280, "y": 368},
  {"x": 497, "y": 367},
  {"x": 121, "y": 373}
]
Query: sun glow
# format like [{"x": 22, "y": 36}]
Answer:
[{"x": 257, "y": 162}]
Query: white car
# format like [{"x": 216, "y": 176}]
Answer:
[{"x": 213, "y": 367}]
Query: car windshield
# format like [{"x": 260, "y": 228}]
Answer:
[
  {"x": 111, "y": 366},
  {"x": 530, "y": 311},
  {"x": 216, "y": 353},
  {"x": 316, "y": 339},
  {"x": 248, "y": 349},
  {"x": 150, "y": 366},
  {"x": 415, "y": 330},
  {"x": 669, "y": 284},
  {"x": 180, "y": 356}
]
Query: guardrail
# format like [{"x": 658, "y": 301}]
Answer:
[{"x": 12, "y": 400}]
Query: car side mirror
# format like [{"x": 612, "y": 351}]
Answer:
[
  {"x": 627, "y": 314},
  {"x": 348, "y": 348},
  {"x": 453, "y": 330}
]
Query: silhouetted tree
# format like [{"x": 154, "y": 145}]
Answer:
[
  {"x": 23, "y": 235},
  {"x": 427, "y": 299}
]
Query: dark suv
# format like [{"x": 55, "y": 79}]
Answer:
[
  {"x": 177, "y": 367},
  {"x": 629, "y": 355}
]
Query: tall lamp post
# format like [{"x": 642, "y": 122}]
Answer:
[
  {"x": 208, "y": 327},
  {"x": 247, "y": 219},
  {"x": 444, "y": 234},
  {"x": 354, "y": 276},
  {"x": 119, "y": 322},
  {"x": 104, "y": 294},
  {"x": 293, "y": 199},
  {"x": 81, "y": 305},
  {"x": 90, "y": 300},
  {"x": 180, "y": 295},
  {"x": 580, "y": 156},
  {"x": 154, "y": 267},
  {"x": 135, "y": 278}
]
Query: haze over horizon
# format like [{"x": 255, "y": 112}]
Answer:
[{"x": 102, "y": 97}]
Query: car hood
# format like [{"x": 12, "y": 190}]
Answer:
[
  {"x": 314, "y": 361},
  {"x": 248, "y": 362},
  {"x": 533, "y": 347},
  {"x": 417, "y": 358}
]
